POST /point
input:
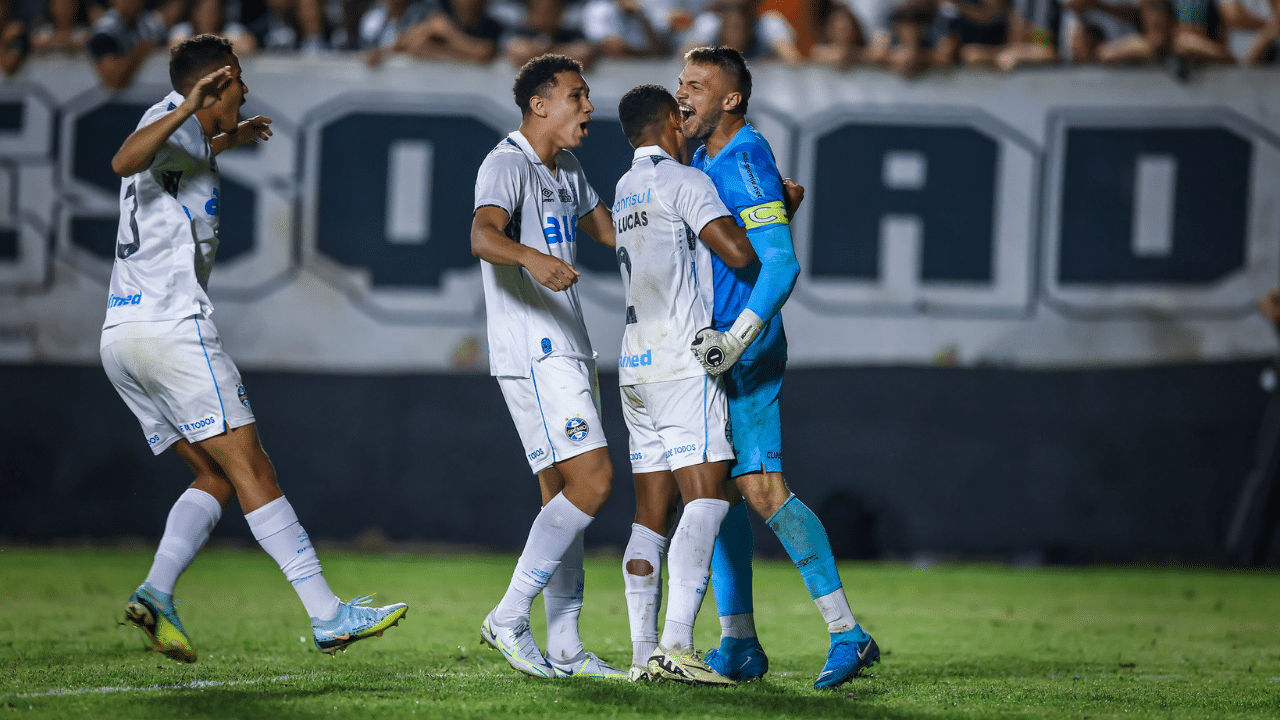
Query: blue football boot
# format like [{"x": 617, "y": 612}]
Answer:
[
  {"x": 851, "y": 653},
  {"x": 355, "y": 621},
  {"x": 156, "y": 614},
  {"x": 739, "y": 659}
]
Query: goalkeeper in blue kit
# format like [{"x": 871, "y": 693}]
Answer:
[{"x": 748, "y": 347}]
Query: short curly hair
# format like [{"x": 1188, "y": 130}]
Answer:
[
  {"x": 538, "y": 76},
  {"x": 196, "y": 57}
]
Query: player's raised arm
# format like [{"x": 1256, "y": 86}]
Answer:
[
  {"x": 490, "y": 243},
  {"x": 599, "y": 224},
  {"x": 140, "y": 148}
]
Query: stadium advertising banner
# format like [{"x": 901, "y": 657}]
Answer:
[{"x": 1062, "y": 218}]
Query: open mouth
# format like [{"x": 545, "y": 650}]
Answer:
[
  {"x": 583, "y": 126},
  {"x": 686, "y": 112}
]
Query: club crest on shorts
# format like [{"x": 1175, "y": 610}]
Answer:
[
  {"x": 576, "y": 428},
  {"x": 728, "y": 431},
  {"x": 244, "y": 396}
]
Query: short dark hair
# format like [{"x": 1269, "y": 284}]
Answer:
[
  {"x": 728, "y": 60},
  {"x": 643, "y": 106},
  {"x": 196, "y": 57},
  {"x": 539, "y": 75}
]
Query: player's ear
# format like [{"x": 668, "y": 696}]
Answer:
[
  {"x": 732, "y": 101},
  {"x": 538, "y": 106}
]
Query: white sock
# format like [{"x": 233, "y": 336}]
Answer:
[
  {"x": 562, "y": 599},
  {"x": 276, "y": 528},
  {"x": 738, "y": 626},
  {"x": 689, "y": 567},
  {"x": 552, "y": 533},
  {"x": 834, "y": 607},
  {"x": 191, "y": 519},
  {"x": 644, "y": 592}
]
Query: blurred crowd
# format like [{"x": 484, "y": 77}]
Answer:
[{"x": 906, "y": 36}]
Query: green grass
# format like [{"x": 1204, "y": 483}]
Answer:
[{"x": 958, "y": 641}]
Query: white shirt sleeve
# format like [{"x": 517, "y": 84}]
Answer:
[
  {"x": 705, "y": 30},
  {"x": 773, "y": 28},
  {"x": 500, "y": 180},
  {"x": 601, "y": 20},
  {"x": 695, "y": 199}
]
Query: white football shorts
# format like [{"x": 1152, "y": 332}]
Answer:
[
  {"x": 176, "y": 379},
  {"x": 676, "y": 423},
  {"x": 556, "y": 410}
]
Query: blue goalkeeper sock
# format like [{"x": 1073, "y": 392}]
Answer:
[
  {"x": 805, "y": 540},
  {"x": 731, "y": 564}
]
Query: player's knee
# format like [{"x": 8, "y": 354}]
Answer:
[{"x": 639, "y": 567}]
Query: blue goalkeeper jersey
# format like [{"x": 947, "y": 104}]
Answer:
[{"x": 747, "y": 178}]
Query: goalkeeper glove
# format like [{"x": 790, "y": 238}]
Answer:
[{"x": 718, "y": 351}]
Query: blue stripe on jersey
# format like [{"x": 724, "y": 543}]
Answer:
[
  {"x": 545, "y": 431},
  {"x": 706, "y": 433},
  {"x": 211, "y": 374},
  {"x": 745, "y": 175}
]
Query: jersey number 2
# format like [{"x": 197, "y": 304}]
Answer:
[
  {"x": 124, "y": 251},
  {"x": 624, "y": 260}
]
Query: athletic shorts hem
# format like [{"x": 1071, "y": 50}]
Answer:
[
  {"x": 710, "y": 458},
  {"x": 576, "y": 452}
]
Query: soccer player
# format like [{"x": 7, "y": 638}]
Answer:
[
  {"x": 748, "y": 342},
  {"x": 164, "y": 356},
  {"x": 675, "y": 412},
  {"x": 531, "y": 199}
]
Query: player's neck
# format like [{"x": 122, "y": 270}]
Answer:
[
  {"x": 544, "y": 145},
  {"x": 205, "y": 118},
  {"x": 723, "y": 133}
]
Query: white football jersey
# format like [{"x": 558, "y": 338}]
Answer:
[
  {"x": 527, "y": 321},
  {"x": 168, "y": 232},
  {"x": 661, "y": 208}
]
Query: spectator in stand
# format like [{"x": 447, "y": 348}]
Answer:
[
  {"x": 384, "y": 23},
  {"x": 122, "y": 38},
  {"x": 739, "y": 24},
  {"x": 1151, "y": 44},
  {"x": 904, "y": 34},
  {"x": 1033, "y": 26},
  {"x": 209, "y": 17},
  {"x": 543, "y": 31},
  {"x": 626, "y": 28},
  {"x": 841, "y": 41},
  {"x": 64, "y": 28},
  {"x": 292, "y": 25},
  {"x": 14, "y": 43},
  {"x": 457, "y": 30},
  {"x": 1253, "y": 29},
  {"x": 975, "y": 30},
  {"x": 1115, "y": 31},
  {"x": 1191, "y": 37}
]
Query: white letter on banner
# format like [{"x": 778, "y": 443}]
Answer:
[
  {"x": 409, "y": 192},
  {"x": 1154, "y": 199}
]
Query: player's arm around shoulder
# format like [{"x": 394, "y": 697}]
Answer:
[
  {"x": 695, "y": 199},
  {"x": 140, "y": 148}
]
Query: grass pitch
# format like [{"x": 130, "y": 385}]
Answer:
[{"x": 957, "y": 641}]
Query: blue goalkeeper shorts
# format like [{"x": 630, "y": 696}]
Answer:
[{"x": 754, "y": 387}]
